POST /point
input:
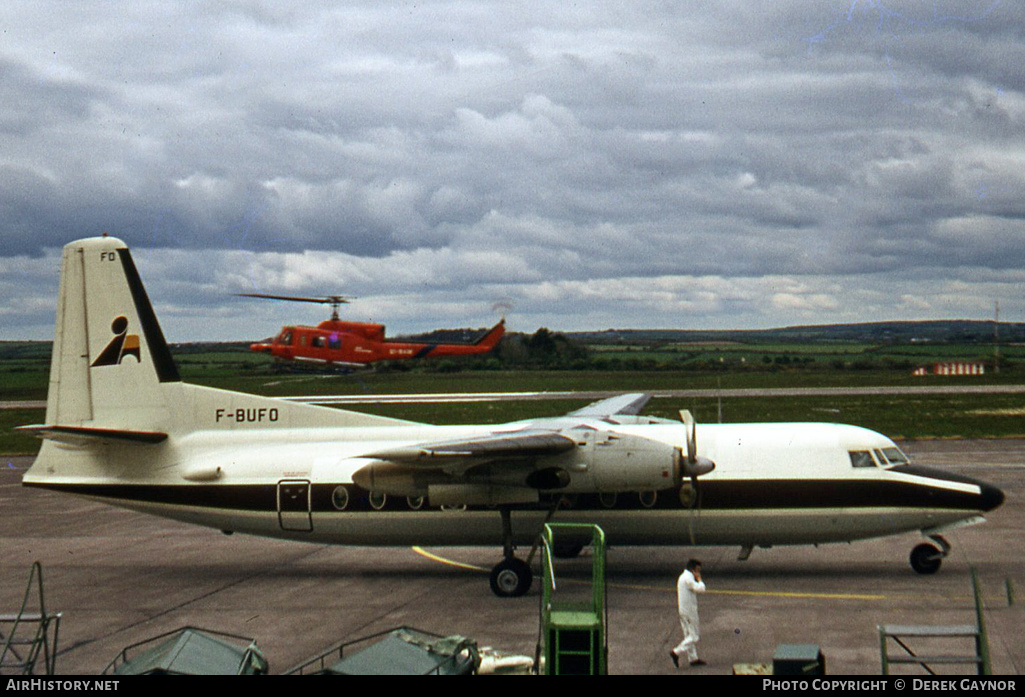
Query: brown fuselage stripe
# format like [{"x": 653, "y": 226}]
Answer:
[{"x": 714, "y": 496}]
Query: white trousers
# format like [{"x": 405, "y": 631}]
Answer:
[{"x": 689, "y": 645}]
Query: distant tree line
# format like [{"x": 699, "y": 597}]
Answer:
[{"x": 549, "y": 350}]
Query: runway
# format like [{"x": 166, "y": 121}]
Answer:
[
  {"x": 119, "y": 577},
  {"x": 777, "y": 392}
]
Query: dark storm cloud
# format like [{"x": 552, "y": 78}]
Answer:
[{"x": 756, "y": 165}]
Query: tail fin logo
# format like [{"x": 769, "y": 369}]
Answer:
[{"x": 123, "y": 344}]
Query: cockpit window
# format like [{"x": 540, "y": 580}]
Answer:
[
  {"x": 894, "y": 456},
  {"x": 861, "y": 458},
  {"x": 286, "y": 337}
]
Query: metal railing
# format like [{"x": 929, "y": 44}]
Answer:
[
  {"x": 574, "y": 633},
  {"x": 29, "y": 635},
  {"x": 902, "y": 634}
]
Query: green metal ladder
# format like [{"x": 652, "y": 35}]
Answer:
[
  {"x": 28, "y": 635},
  {"x": 574, "y": 629}
]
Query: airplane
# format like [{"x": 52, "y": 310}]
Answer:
[
  {"x": 123, "y": 428},
  {"x": 336, "y": 342}
]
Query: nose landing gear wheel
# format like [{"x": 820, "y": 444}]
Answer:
[{"x": 511, "y": 578}]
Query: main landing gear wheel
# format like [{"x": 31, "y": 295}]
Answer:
[
  {"x": 511, "y": 578},
  {"x": 926, "y": 559}
]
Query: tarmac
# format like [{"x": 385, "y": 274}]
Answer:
[{"x": 120, "y": 577}]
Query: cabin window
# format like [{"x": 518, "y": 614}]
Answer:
[
  {"x": 861, "y": 458},
  {"x": 318, "y": 342},
  {"x": 648, "y": 498},
  {"x": 340, "y": 497},
  {"x": 334, "y": 342},
  {"x": 894, "y": 456}
]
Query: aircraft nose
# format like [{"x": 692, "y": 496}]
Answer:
[
  {"x": 988, "y": 498},
  {"x": 991, "y": 496}
]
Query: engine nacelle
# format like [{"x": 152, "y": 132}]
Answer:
[
  {"x": 549, "y": 478},
  {"x": 389, "y": 478},
  {"x": 609, "y": 463},
  {"x": 498, "y": 485},
  {"x": 623, "y": 462}
]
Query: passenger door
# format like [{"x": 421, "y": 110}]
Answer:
[{"x": 294, "y": 498}]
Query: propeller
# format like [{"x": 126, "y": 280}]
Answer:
[{"x": 693, "y": 467}]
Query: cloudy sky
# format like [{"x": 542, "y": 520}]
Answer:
[{"x": 684, "y": 164}]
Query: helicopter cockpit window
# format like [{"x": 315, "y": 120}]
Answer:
[
  {"x": 285, "y": 337},
  {"x": 861, "y": 458}
]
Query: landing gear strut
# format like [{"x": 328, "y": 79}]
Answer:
[
  {"x": 926, "y": 558},
  {"x": 511, "y": 577}
]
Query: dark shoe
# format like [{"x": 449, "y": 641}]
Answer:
[
  {"x": 676, "y": 659},
  {"x": 698, "y": 662}
]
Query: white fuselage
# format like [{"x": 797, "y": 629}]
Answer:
[{"x": 774, "y": 484}]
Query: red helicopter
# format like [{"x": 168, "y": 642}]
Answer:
[{"x": 336, "y": 342}]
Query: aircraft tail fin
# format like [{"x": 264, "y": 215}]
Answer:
[
  {"x": 491, "y": 339},
  {"x": 109, "y": 353}
]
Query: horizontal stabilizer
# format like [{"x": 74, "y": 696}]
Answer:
[
  {"x": 79, "y": 435},
  {"x": 498, "y": 446}
]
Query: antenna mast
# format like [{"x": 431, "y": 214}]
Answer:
[{"x": 996, "y": 337}]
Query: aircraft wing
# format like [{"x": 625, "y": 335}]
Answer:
[
  {"x": 512, "y": 466},
  {"x": 544, "y": 437},
  {"x": 494, "y": 447},
  {"x": 624, "y": 404}
]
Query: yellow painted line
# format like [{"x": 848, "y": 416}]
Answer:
[
  {"x": 447, "y": 562},
  {"x": 817, "y": 596},
  {"x": 766, "y": 594},
  {"x": 761, "y": 594}
]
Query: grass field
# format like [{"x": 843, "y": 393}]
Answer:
[{"x": 24, "y": 369}]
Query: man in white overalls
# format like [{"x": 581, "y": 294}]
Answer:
[{"x": 687, "y": 588}]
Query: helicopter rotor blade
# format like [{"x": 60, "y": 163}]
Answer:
[
  {"x": 323, "y": 300},
  {"x": 333, "y": 300}
]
